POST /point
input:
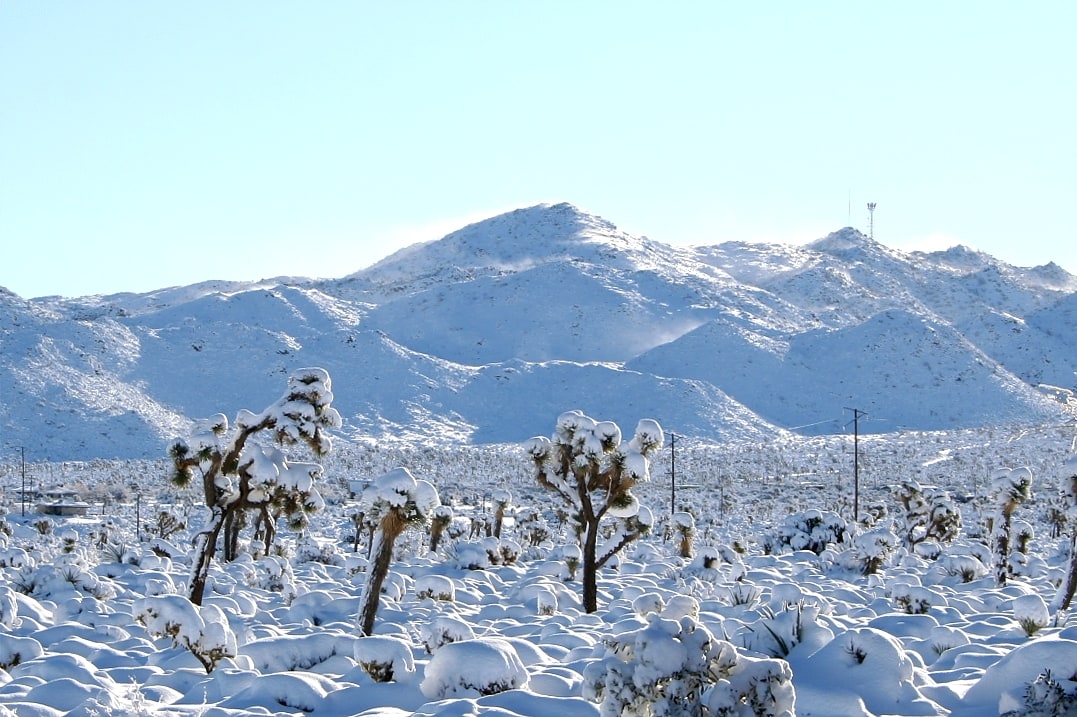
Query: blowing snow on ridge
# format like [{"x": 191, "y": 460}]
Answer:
[{"x": 485, "y": 334}]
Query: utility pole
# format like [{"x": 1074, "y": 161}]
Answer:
[
  {"x": 672, "y": 473},
  {"x": 23, "y": 449},
  {"x": 857, "y": 413}
]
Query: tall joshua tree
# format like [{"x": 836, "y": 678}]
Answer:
[
  {"x": 239, "y": 476},
  {"x": 1069, "y": 498},
  {"x": 592, "y": 471},
  {"x": 1011, "y": 488},
  {"x": 397, "y": 501}
]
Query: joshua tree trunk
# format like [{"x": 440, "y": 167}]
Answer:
[
  {"x": 205, "y": 549},
  {"x": 390, "y": 528},
  {"x": 590, "y": 567}
]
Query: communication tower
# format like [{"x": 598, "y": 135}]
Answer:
[{"x": 871, "y": 220}]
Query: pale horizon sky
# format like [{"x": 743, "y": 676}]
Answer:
[{"x": 147, "y": 145}]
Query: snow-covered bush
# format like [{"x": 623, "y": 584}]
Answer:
[
  {"x": 203, "y": 630},
  {"x": 9, "y": 608},
  {"x": 778, "y": 633},
  {"x": 810, "y": 530},
  {"x": 445, "y": 629},
  {"x": 1047, "y": 696},
  {"x": 384, "y": 658},
  {"x": 871, "y": 550},
  {"x": 15, "y": 649},
  {"x": 435, "y": 587},
  {"x": 592, "y": 471},
  {"x": 913, "y": 599},
  {"x": 930, "y": 513},
  {"x": 1030, "y": 612},
  {"x": 531, "y": 526},
  {"x": 471, "y": 668},
  {"x": 676, "y": 667}
]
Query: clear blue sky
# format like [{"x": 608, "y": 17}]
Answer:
[{"x": 145, "y": 145}]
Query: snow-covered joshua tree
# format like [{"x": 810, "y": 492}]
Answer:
[
  {"x": 399, "y": 501},
  {"x": 1068, "y": 488},
  {"x": 593, "y": 472},
  {"x": 1011, "y": 488},
  {"x": 239, "y": 475}
]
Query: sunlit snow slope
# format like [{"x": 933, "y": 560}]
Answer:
[{"x": 487, "y": 334}]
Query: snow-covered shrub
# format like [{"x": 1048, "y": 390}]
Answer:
[
  {"x": 69, "y": 541},
  {"x": 436, "y": 587},
  {"x": 531, "y": 526},
  {"x": 742, "y": 594},
  {"x": 15, "y": 558},
  {"x": 15, "y": 649},
  {"x": 316, "y": 551},
  {"x": 445, "y": 629},
  {"x": 966, "y": 568},
  {"x": 121, "y": 553},
  {"x": 871, "y": 550},
  {"x": 675, "y": 667},
  {"x": 203, "y": 630},
  {"x": 1030, "y": 612},
  {"x": 545, "y": 601},
  {"x": 571, "y": 555},
  {"x": 592, "y": 472},
  {"x": 777, "y": 633},
  {"x": 863, "y": 671},
  {"x": 810, "y": 530},
  {"x": 9, "y": 608},
  {"x": 1047, "y": 696},
  {"x": 469, "y": 555},
  {"x": 913, "y": 599},
  {"x": 930, "y": 513},
  {"x": 384, "y": 658},
  {"x": 471, "y": 668}
]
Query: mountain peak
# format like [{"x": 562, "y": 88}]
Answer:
[
  {"x": 843, "y": 240},
  {"x": 508, "y": 242}
]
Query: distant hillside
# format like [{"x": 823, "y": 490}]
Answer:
[{"x": 488, "y": 334}]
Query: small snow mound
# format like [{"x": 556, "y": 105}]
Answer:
[{"x": 472, "y": 668}]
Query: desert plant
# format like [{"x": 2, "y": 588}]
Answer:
[
  {"x": 439, "y": 521},
  {"x": 1068, "y": 490},
  {"x": 238, "y": 476},
  {"x": 677, "y": 667},
  {"x": 399, "y": 501},
  {"x": 204, "y": 631},
  {"x": 1011, "y": 488},
  {"x": 593, "y": 472}
]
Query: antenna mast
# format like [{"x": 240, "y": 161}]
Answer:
[{"x": 871, "y": 220}]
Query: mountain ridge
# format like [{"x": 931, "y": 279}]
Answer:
[{"x": 487, "y": 334}]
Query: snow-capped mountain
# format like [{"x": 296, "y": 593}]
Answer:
[{"x": 488, "y": 334}]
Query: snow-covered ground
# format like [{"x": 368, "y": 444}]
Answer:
[{"x": 770, "y": 612}]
